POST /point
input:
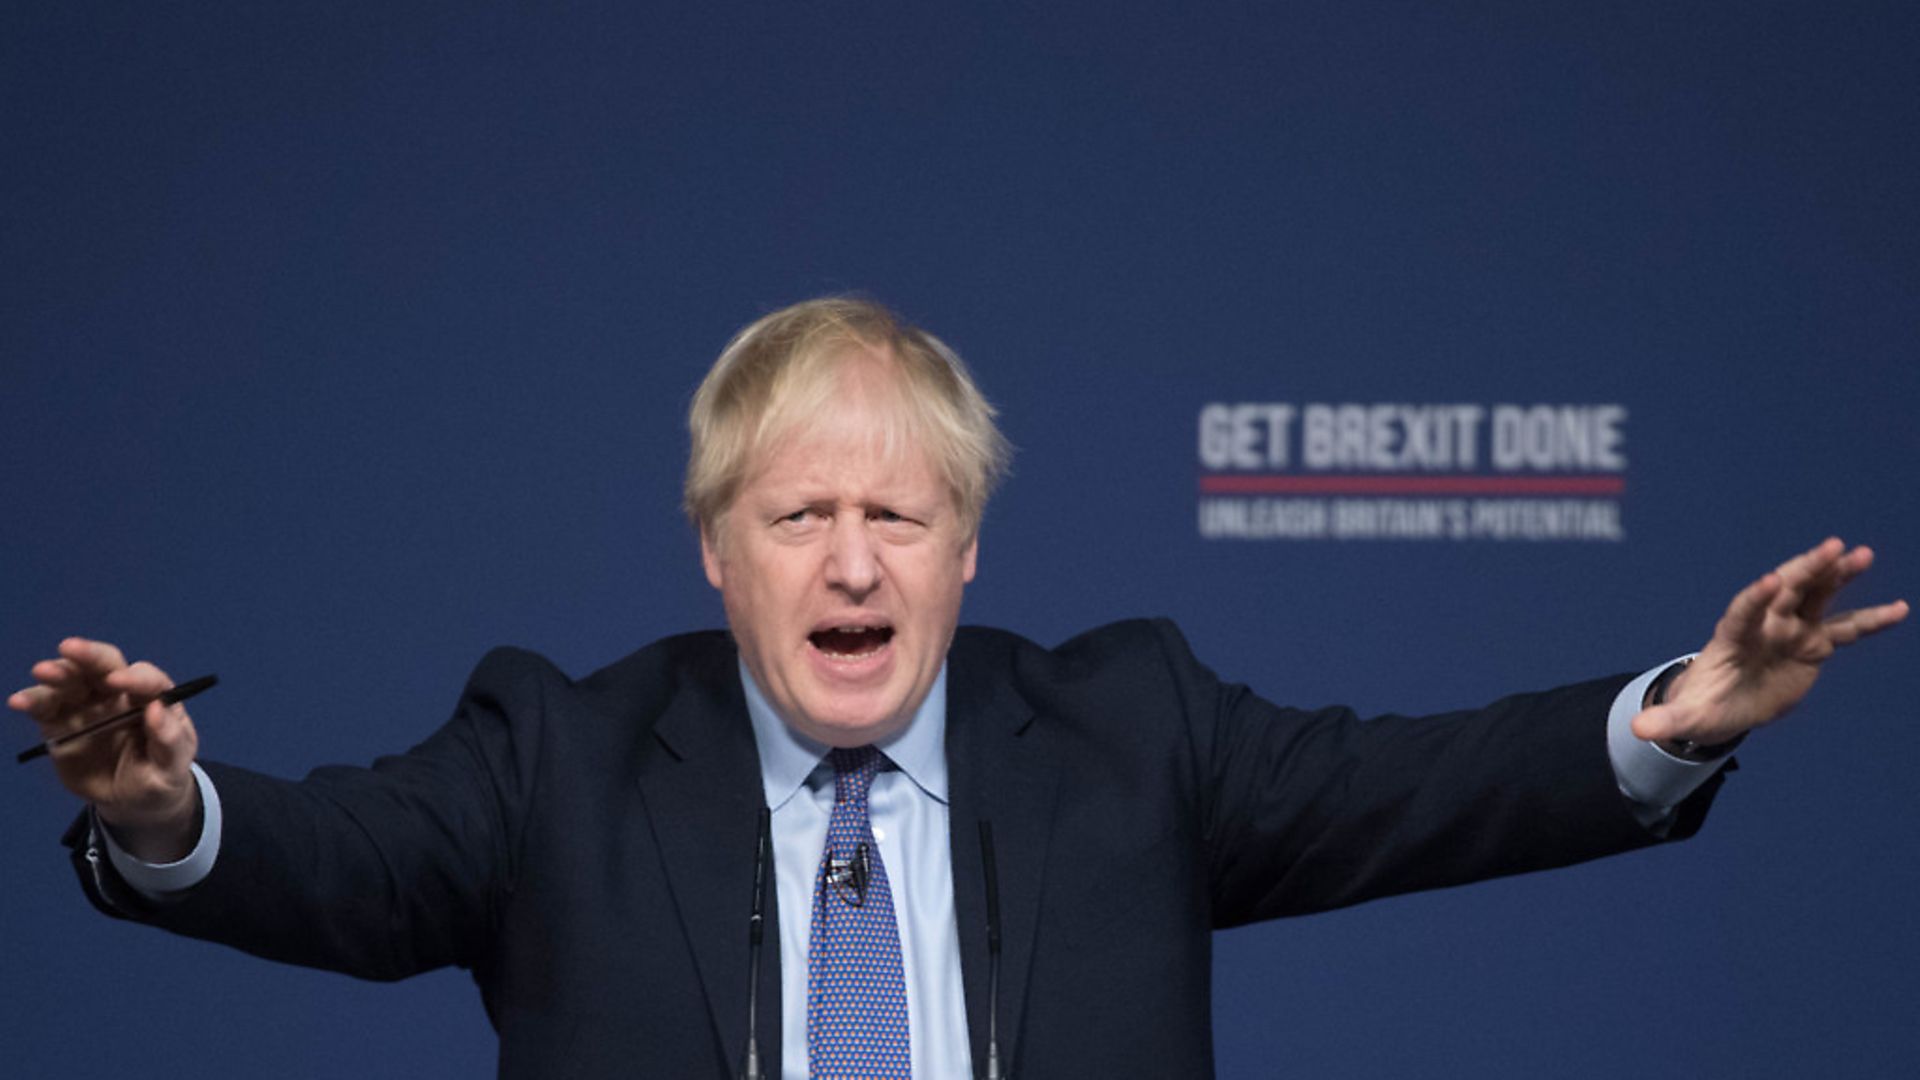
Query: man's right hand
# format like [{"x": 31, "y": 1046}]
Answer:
[{"x": 138, "y": 776}]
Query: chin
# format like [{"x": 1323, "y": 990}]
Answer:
[{"x": 849, "y": 727}]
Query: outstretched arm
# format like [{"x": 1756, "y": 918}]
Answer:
[{"x": 1767, "y": 649}]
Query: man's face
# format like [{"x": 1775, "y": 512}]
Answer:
[{"x": 841, "y": 571}]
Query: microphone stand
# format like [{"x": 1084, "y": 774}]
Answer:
[
  {"x": 993, "y": 952},
  {"x": 756, "y": 930}
]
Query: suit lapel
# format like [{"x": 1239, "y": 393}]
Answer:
[
  {"x": 700, "y": 780},
  {"x": 702, "y": 787},
  {"x": 999, "y": 771}
]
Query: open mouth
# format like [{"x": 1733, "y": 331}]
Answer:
[{"x": 851, "y": 642}]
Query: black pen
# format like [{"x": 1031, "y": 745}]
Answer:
[{"x": 172, "y": 696}]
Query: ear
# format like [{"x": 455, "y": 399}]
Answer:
[
  {"x": 969, "y": 559},
  {"x": 709, "y": 557}
]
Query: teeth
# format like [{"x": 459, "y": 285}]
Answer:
[{"x": 852, "y": 642}]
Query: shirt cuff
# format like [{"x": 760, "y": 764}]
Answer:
[
  {"x": 156, "y": 881},
  {"x": 1652, "y": 779}
]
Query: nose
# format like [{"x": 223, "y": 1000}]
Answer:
[{"x": 853, "y": 565}]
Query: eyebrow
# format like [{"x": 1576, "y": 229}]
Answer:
[{"x": 919, "y": 507}]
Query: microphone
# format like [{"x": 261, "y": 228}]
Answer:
[
  {"x": 850, "y": 877},
  {"x": 756, "y": 930},
  {"x": 993, "y": 952}
]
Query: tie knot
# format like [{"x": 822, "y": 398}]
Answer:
[{"x": 853, "y": 770}]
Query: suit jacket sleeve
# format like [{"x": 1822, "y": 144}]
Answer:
[
  {"x": 379, "y": 872},
  {"x": 1307, "y": 810}
]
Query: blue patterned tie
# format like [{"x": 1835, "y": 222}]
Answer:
[{"x": 856, "y": 989}]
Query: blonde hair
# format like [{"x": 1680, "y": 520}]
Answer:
[{"x": 783, "y": 374}]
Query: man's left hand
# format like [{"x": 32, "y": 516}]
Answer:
[{"x": 1767, "y": 649}]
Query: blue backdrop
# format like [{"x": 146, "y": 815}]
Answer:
[{"x": 340, "y": 345}]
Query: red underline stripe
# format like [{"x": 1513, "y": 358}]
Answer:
[{"x": 1334, "y": 484}]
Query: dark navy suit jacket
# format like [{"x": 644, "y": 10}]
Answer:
[{"x": 586, "y": 848}]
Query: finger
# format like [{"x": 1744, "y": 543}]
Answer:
[
  {"x": 170, "y": 735},
  {"x": 1653, "y": 723},
  {"x": 68, "y": 684},
  {"x": 1800, "y": 573},
  {"x": 141, "y": 680},
  {"x": 59, "y": 673},
  {"x": 1664, "y": 722},
  {"x": 1693, "y": 722},
  {"x": 54, "y": 714},
  {"x": 67, "y": 692},
  {"x": 1849, "y": 627},
  {"x": 1855, "y": 562},
  {"x": 1831, "y": 579},
  {"x": 1749, "y": 608},
  {"x": 72, "y": 682},
  {"x": 34, "y": 700},
  {"x": 1852, "y": 565},
  {"x": 97, "y": 658}
]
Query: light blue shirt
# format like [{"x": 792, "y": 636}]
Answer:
[{"x": 908, "y": 808}]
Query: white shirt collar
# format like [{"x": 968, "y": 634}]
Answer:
[{"x": 787, "y": 757}]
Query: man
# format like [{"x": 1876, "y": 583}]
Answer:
[{"x": 589, "y": 849}]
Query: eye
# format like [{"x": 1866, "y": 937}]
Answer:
[{"x": 883, "y": 514}]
